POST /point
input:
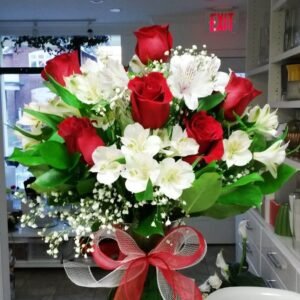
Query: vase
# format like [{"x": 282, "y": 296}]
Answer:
[{"x": 143, "y": 268}]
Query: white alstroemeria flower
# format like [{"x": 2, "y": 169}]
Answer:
[
  {"x": 205, "y": 287},
  {"x": 175, "y": 176},
  {"x": 180, "y": 144},
  {"x": 266, "y": 122},
  {"x": 272, "y": 157},
  {"x": 243, "y": 229},
  {"x": 236, "y": 149},
  {"x": 136, "y": 65},
  {"x": 140, "y": 168},
  {"x": 221, "y": 264},
  {"x": 113, "y": 78},
  {"x": 106, "y": 166},
  {"x": 91, "y": 66},
  {"x": 215, "y": 281},
  {"x": 195, "y": 76},
  {"x": 86, "y": 87},
  {"x": 187, "y": 81},
  {"x": 50, "y": 104},
  {"x": 136, "y": 139},
  {"x": 219, "y": 79}
]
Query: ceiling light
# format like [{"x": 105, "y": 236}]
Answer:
[
  {"x": 115, "y": 10},
  {"x": 97, "y": 1}
]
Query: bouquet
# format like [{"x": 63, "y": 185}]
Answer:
[{"x": 126, "y": 153}]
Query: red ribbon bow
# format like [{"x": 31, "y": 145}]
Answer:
[{"x": 180, "y": 248}]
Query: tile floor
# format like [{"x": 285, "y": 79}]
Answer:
[{"x": 53, "y": 284}]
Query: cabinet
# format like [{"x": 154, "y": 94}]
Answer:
[{"x": 270, "y": 255}]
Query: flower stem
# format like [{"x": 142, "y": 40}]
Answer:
[{"x": 244, "y": 254}]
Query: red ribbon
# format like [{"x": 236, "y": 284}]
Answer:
[{"x": 180, "y": 248}]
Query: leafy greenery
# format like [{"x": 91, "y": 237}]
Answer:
[
  {"x": 247, "y": 195},
  {"x": 59, "y": 158},
  {"x": 211, "y": 101},
  {"x": 203, "y": 194},
  {"x": 51, "y": 120},
  {"x": 222, "y": 211},
  {"x": 271, "y": 184},
  {"x": 150, "y": 225},
  {"x": 65, "y": 95},
  {"x": 29, "y": 157},
  {"x": 147, "y": 194}
]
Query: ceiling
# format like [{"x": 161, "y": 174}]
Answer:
[{"x": 132, "y": 11}]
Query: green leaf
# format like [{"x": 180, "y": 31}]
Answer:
[
  {"x": 258, "y": 143},
  {"x": 246, "y": 195},
  {"x": 85, "y": 186},
  {"x": 271, "y": 184},
  {"x": 203, "y": 194},
  {"x": 55, "y": 137},
  {"x": 211, "y": 101},
  {"x": 37, "y": 171},
  {"x": 65, "y": 95},
  {"x": 150, "y": 225},
  {"x": 211, "y": 167},
  {"x": 51, "y": 179},
  {"x": 29, "y": 157},
  {"x": 254, "y": 177},
  {"x": 74, "y": 160},
  {"x": 49, "y": 119},
  {"x": 55, "y": 155},
  {"x": 147, "y": 194},
  {"x": 222, "y": 211},
  {"x": 151, "y": 291},
  {"x": 37, "y": 137}
]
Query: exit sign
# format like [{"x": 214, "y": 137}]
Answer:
[{"x": 221, "y": 21}]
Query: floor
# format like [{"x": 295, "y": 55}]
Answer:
[{"x": 53, "y": 284}]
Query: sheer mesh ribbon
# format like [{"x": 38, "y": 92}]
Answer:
[{"x": 181, "y": 248}]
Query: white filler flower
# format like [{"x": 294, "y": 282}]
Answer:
[
  {"x": 136, "y": 139},
  {"x": 140, "y": 168},
  {"x": 180, "y": 144},
  {"x": 106, "y": 166},
  {"x": 175, "y": 176},
  {"x": 272, "y": 157},
  {"x": 236, "y": 149},
  {"x": 195, "y": 76},
  {"x": 266, "y": 122}
]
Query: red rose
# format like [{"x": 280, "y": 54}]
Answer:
[
  {"x": 240, "y": 92},
  {"x": 80, "y": 136},
  {"x": 61, "y": 66},
  {"x": 153, "y": 42},
  {"x": 150, "y": 100},
  {"x": 208, "y": 133}
]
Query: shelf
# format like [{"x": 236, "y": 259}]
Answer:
[
  {"x": 279, "y": 4},
  {"x": 39, "y": 263},
  {"x": 293, "y": 163},
  {"x": 285, "y": 104},
  {"x": 285, "y": 55},
  {"x": 259, "y": 70}
]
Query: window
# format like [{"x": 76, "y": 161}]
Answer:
[{"x": 21, "y": 84}]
